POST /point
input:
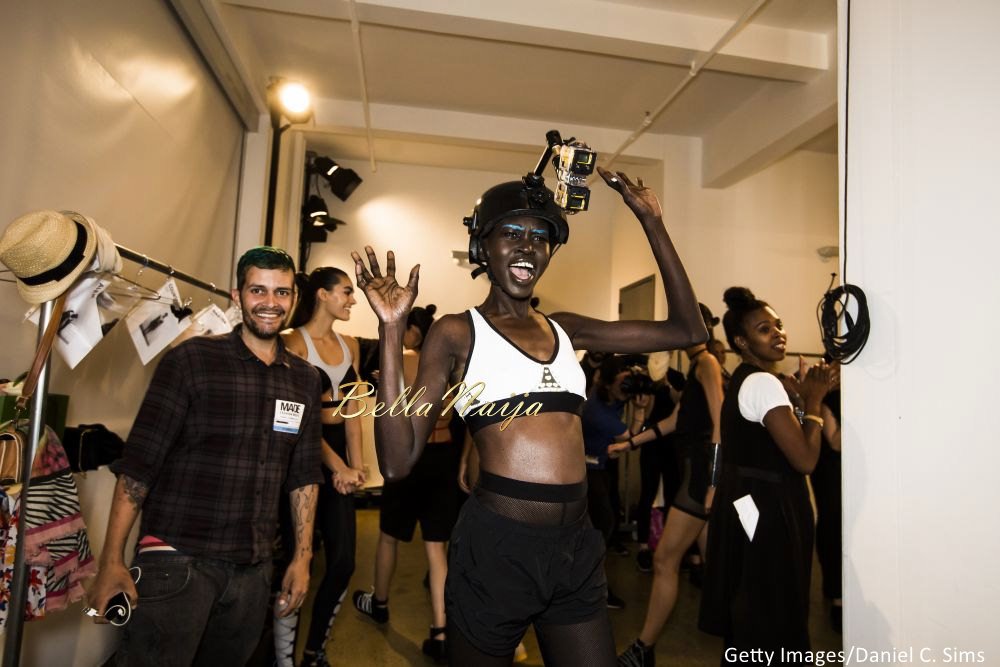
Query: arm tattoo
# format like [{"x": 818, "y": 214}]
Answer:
[
  {"x": 135, "y": 490},
  {"x": 303, "y": 512}
]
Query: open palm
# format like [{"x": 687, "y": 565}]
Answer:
[
  {"x": 637, "y": 196},
  {"x": 390, "y": 300}
]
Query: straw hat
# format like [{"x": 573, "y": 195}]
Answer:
[
  {"x": 107, "y": 260},
  {"x": 46, "y": 251}
]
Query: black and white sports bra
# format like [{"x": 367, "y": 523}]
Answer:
[{"x": 510, "y": 375}]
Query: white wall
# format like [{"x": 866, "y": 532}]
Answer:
[
  {"x": 922, "y": 232},
  {"x": 108, "y": 111}
]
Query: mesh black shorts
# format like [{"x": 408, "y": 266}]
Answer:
[{"x": 504, "y": 575}]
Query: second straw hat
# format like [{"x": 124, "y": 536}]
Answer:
[{"x": 46, "y": 251}]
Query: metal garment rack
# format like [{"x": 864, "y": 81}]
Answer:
[{"x": 19, "y": 584}]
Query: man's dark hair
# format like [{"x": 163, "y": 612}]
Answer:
[{"x": 262, "y": 257}]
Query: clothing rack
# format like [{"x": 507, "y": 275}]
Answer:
[
  {"x": 19, "y": 584},
  {"x": 146, "y": 262}
]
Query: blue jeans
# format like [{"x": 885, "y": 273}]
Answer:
[{"x": 195, "y": 611}]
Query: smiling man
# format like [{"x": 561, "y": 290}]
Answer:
[{"x": 228, "y": 424}]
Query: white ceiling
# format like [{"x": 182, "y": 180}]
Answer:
[{"x": 577, "y": 63}]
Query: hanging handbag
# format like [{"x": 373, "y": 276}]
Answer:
[{"x": 13, "y": 434}]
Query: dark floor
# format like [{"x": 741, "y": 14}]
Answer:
[{"x": 357, "y": 641}]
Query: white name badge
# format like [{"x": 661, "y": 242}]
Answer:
[{"x": 288, "y": 416}]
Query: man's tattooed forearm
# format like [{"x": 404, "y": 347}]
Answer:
[
  {"x": 135, "y": 490},
  {"x": 303, "y": 512}
]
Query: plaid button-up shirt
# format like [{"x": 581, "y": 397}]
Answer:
[{"x": 205, "y": 444}]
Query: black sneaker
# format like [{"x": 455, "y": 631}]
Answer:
[
  {"x": 644, "y": 560},
  {"x": 370, "y": 607},
  {"x": 637, "y": 655},
  {"x": 615, "y": 602}
]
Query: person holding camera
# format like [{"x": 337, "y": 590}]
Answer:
[
  {"x": 523, "y": 552},
  {"x": 602, "y": 425}
]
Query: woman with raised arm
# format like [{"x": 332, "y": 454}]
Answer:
[
  {"x": 523, "y": 552},
  {"x": 760, "y": 538}
]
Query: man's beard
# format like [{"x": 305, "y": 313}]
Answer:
[{"x": 251, "y": 325}]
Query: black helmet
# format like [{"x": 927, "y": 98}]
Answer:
[{"x": 529, "y": 197}]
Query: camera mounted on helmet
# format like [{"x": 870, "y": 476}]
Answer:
[{"x": 529, "y": 196}]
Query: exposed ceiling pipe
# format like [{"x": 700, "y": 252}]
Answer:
[
  {"x": 696, "y": 66},
  {"x": 359, "y": 58}
]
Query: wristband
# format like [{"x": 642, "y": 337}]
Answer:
[
  {"x": 657, "y": 431},
  {"x": 813, "y": 418},
  {"x": 632, "y": 445}
]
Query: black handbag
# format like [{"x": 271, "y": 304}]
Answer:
[{"x": 90, "y": 446}]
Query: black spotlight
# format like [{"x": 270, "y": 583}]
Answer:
[
  {"x": 343, "y": 181},
  {"x": 315, "y": 209}
]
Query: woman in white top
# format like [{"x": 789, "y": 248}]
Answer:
[{"x": 757, "y": 580}]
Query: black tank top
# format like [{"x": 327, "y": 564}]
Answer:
[{"x": 694, "y": 423}]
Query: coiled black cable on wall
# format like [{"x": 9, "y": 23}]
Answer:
[{"x": 844, "y": 335}]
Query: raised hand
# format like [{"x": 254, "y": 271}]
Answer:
[
  {"x": 637, "y": 196},
  {"x": 390, "y": 300}
]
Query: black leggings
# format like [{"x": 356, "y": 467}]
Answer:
[{"x": 335, "y": 521}]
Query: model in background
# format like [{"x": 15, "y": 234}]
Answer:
[
  {"x": 697, "y": 437},
  {"x": 429, "y": 495},
  {"x": 326, "y": 296},
  {"x": 206, "y": 466},
  {"x": 756, "y": 589},
  {"x": 523, "y": 552}
]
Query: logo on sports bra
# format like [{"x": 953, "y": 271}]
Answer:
[{"x": 548, "y": 381}]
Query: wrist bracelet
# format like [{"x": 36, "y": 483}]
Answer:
[
  {"x": 632, "y": 445},
  {"x": 814, "y": 418},
  {"x": 657, "y": 431}
]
